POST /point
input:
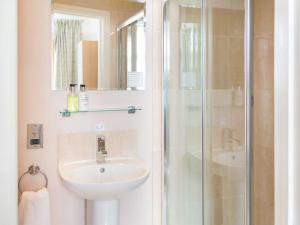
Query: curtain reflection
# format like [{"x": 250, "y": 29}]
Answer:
[{"x": 66, "y": 41}]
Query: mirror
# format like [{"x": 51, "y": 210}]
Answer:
[{"x": 98, "y": 43}]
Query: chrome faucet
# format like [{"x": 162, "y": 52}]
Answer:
[{"x": 101, "y": 152}]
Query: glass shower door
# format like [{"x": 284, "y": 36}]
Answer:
[
  {"x": 206, "y": 175},
  {"x": 224, "y": 164},
  {"x": 183, "y": 114}
]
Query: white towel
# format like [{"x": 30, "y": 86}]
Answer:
[{"x": 34, "y": 208}]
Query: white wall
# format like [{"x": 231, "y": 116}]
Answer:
[
  {"x": 38, "y": 104},
  {"x": 281, "y": 111},
  {"x": 287, "y": 108},
  {"x": 8, "y": 118},
  {"x": 296, "y": 155}
]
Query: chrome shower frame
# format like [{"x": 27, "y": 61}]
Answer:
[{"x": 249, "y": 100}]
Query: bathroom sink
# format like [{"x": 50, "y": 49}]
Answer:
[
  {"x": 229, "y": 163},
  {"x": 230, "y": 159},
  {"x": 103, "y": 181}
]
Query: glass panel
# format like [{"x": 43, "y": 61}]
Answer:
[
  {"x": 205, "y": 166},
  {"x": 183, "y": 186},
  {"x": 224, "y": 129}
]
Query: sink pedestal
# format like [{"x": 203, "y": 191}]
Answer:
[{"x": 103, "y": 212}]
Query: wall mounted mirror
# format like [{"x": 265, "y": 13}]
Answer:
[{"x": 98, "y": 43}]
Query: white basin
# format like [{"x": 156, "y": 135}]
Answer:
[
  {"x": 229, "y": 164},
  {"x": 102, "y": 184},
  {"x": 225, "y": 163},
  {"x": 103, "y": 181}
]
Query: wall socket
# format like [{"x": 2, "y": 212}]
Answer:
[{"x": 34, "y": 136}]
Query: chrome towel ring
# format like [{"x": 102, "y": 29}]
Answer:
[{"x": 32, "y": 170}]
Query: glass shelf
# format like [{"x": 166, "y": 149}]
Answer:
[{"x": 129, "y": 109}]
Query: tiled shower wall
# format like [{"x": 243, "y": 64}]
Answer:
[{"x": 263, "y": 170}]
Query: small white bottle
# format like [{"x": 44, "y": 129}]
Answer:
[{"x": 83, "y": 99}]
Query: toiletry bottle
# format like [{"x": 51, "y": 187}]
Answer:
[
  {"x": 72, "y": 99},
  {"x": 83, "y": 99}
]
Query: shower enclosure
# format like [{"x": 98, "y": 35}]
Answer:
[{"x": 208, "y": 112}]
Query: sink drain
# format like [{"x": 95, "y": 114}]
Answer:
[{"x": 102, "y": 170}]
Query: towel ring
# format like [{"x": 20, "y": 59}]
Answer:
[{"x": 33, "y": 170}]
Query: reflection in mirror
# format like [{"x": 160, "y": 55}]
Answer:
[
  {"x": 190, "y": 56},
  {"x": 131, "y": 53},
  {"x": 98, "y": 43}
]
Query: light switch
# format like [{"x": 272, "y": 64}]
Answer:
[{"x": 34, "y": 136}]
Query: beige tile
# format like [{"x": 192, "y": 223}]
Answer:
[
  {"x": 264, "y": 64},
  {"x": 228, "y": 22},
  {"x": 263, "y": 168},
  {"x": 188, "y": 15},
  {"x": 264, "y": 118},
  {"x": 235, "y": 58},
  {"x": 103, "y": 4},
  {"x": 263, "y": 18},
  {"x": 236, "y": 19},
  {"x": 263, "y": 187},
  {"x": 235, "y": 62},
  {"x": 231, "y": 213},
  {"x": 82, "y": 146},
  {"x": 219, "y": 70},
  {"x": 228, "y": 57},
  {"x": 220, "y": 21}
]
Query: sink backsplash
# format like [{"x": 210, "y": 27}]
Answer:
[{"x": 82, "y": 146}]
